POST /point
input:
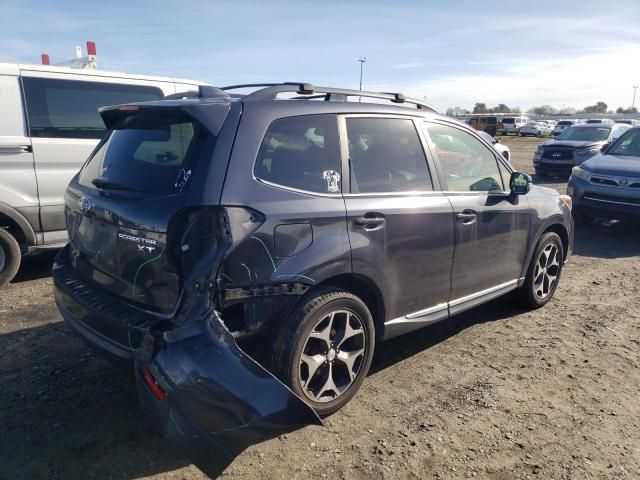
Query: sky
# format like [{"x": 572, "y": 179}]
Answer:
[{"x": 453, "y": 53}]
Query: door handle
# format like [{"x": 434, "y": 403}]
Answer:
[
  {"x": 13, "y": 149},
  {"x": 369, "y": 221},
  {"x": 466, "y": 216}
]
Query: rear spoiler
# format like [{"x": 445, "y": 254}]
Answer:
[{"x": 210, "y": 113}]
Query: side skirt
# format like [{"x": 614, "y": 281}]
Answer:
[{"x": 422, "y": 318}]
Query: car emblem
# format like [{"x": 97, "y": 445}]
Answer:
[
  {"x": 85, "y": 205},
  {"x": 556, "y": 155},
  {"x": 624, "y": 182}
]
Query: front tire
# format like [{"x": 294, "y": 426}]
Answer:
[
  {"x": 9, "y": 257},
  {"x": 324, "y": 349},
  {"x": 544, "y": 272}
]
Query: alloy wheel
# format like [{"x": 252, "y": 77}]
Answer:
[
  {"x": 545, "y": 275},
  {"x": 332, "y": 356}
]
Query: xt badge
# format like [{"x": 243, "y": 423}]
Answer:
[{"x": 144, "y": 244}]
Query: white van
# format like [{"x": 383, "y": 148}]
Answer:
[
  {"x": 49, "y": 124},
  {"x": 512, "y": 125}
]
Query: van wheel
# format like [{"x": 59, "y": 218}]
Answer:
[
  {"x": 324, "y": 348},
  {"x": 9, "y": 257},
  {"x": 544, "y": 272}
]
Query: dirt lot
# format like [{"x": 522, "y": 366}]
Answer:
[{"x": 496, "y": 393}]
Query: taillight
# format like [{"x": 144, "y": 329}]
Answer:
[{"x": 153, "y": 384}]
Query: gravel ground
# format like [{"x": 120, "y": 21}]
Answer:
[{"x": 497, "y": 392}]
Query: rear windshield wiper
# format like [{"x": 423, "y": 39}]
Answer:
[{"x": 106, "y": 184}]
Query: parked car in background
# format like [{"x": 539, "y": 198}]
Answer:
[
  {"x": 487, "y": 124},
  {"x": 49, "y": 123},
  {"x": 629, "y": 121},
  {"x": 535, "y": 129},
  {"x": 608, "y": 184},
  {"x": 562, "y": 125},
  {"x": 204, "y": 227},
  {"x": 574, "y": 146},
  {"x": 606, "y": 121},
  {"x": 501, "y": 148},
  {"x": 511, "y": 125}
]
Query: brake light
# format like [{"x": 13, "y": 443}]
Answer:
[
  {"x": 91, "y": 48},
  {"x": 45, "y": 59},
  {"x": 128, "y": 108},
  {"x": 159, "y": 393}
]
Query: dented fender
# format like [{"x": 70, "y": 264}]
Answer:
[{"x": 218, "y": 401}]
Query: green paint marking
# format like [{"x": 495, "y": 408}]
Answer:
[
  {"x": 175, "y": 423},
  {"x": 266, "y": 250},
  {"x": 301, "y": 276},
  {"x": 255, "y": 417},
  {"x": 248, "y": 270},
  {"x": 135, "y": 278},
  {"x": 254, "y": 312},
  {"x": 130, "y": 344},
  {"x": 227, "y": 277}
]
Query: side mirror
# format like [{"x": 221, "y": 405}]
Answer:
[
  {"x": 520, "y": 183},
  {"x": 496, "y": 140},
  {"x": 604, "y": 147}
]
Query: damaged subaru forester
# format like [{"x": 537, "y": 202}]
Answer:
[{"x": 245, "y": 253}]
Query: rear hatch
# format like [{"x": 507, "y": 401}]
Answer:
[{"x": 122, "y": 204}]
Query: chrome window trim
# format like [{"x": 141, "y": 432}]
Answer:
[{"x": 297, "y": 190}]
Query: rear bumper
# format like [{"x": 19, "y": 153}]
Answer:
[{"x": 216, "y": 400}]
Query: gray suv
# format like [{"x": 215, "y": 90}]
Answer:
[{"x": 245, "y": 253}]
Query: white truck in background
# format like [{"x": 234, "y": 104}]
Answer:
[{"x": 48, "y": 127}]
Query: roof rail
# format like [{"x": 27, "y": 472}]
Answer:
[
  {"x": 204, "y": 91},
  {"x": 270, "y": 91}
]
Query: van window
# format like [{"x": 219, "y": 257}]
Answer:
[
  {"x": 69, "y": 108},
  {"x": 148, "y": 153},
  {"x": 302, "y": 153},
  {"x": 509, "y": 120}
]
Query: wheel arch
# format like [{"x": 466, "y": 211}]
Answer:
[
  {"x": 562, "y": 233},
  {"x": 17, "y": 225},
  {"x": 365, "y": 289}
]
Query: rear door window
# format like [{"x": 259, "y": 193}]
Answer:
[
  {"x": 301, "y": 153},
  {"x": 149, "y": 153},
  {"x": 386, "y": 155},
  {"x": 59, "y": 108}
]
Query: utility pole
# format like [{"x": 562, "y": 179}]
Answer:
[
  {"x": 633, "y": 104},
  {"x": 362, "y": 61}
]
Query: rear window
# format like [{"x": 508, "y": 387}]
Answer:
[
  {"x": 565, "y": 122},
  {"x": 508, "y": 120},
  {"x": 148, "y": 153},
  {"x": 492, "y": 120},
  {"x": 69, "y": 108},
  {"x": 301, "y": 153}
]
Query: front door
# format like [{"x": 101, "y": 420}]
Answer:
[
  {"x": 491, "y": 226},
  {"x": 400, "y": 226}
]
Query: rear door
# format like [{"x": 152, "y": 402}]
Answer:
[
  {"x": 400, "y": 226},
  {"x": 65, "y": 126},
  {"x": 491, "y": 226}
]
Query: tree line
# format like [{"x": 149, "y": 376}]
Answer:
[{"x": 598, "y": 107}]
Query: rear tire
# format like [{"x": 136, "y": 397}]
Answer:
[
  {"x": 324, "y": 348},
  {"x": 9, "y": 257},
  {"x": 543, "y": 274}
]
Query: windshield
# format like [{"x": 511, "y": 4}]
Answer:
[
  {"x": 147, "y": 152},
  {"x": 583, "y": 134},
  {"x": 627, "y": 145}
]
